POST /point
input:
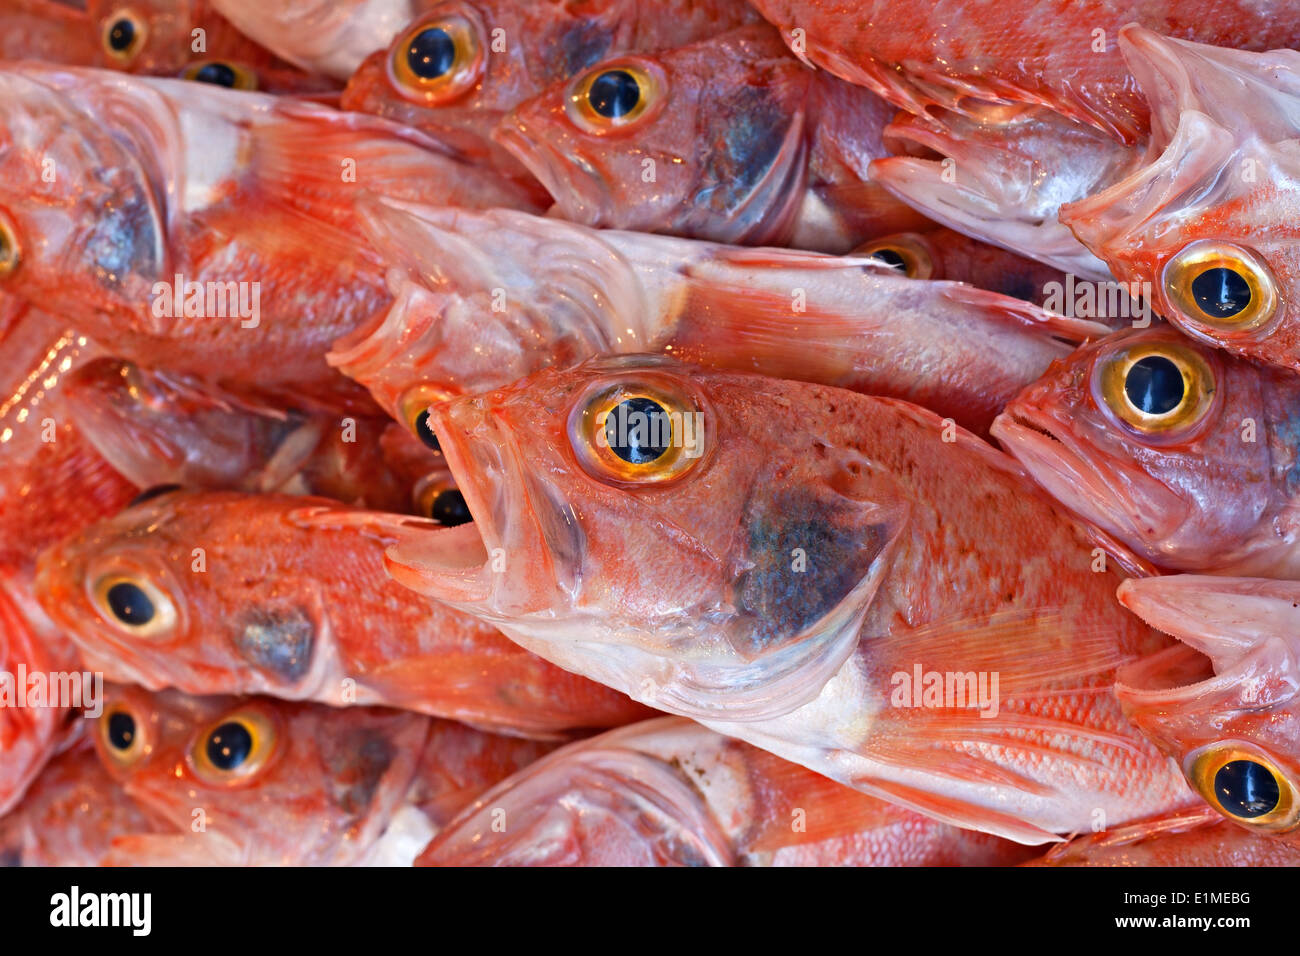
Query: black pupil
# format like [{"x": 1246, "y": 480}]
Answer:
[
  {"x": 891, "y": 256},
  {"x": 614, "y": 93},
  {"x": 431, "y": 54},
  {"x": 1221, "y": 293},
  {"x": 218, "y": 74},
  {"x": 121, "y": 731},
  {"x": 229, "y": 746},
  {"x": 449, "y": 508},
  {"x": 121, "y": 35},
  {"x": 639, "y": 430},
  {"x": 1246, "y": 788},
  {"x": 1154, "y": 385},
  {"x": 129, "y": 604},
  {"x": 425, "y": 433}
]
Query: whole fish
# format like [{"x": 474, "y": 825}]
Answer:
[
  {"x": 1193, "y": 837},
  {"x": 1224, "y": 703},
  {"x": 819, "y": 573},
  {"x": 228, "y": 593},
  {"x": 568, "y": 292},
  {"x": 252, "y": 781},
  {"x": 460, "y": 66},
  {"x": 210, "y": 232},
  {"x": 669, "y": 792},
  {"x": 157, "y": 428},
  {"x": 1186, "y": 455},
  {"x": 730, "y": 139},
  {"x": 1206, "y": 225},
  {"x": 70, "y": 815},
  {"x": 967, "y": 55}
]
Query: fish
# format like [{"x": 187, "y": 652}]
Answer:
[
  {"x": 785, "y": 563},
  {"x": 457, "y": 69},
  {"x": 284, "y": 595},
  {"x": 247, "y": 781},
  {"x": 569, "y": 293},
  {"x": 211, "y": 232},
  {"x": 47, "y": 30},
  {"x": 70, "y": 815},
  {"x": 729, "y": 139},
  {"x": 1192, "y": 837},
  {"x": 1206, "y": 224},
  {"x": 1183, "y": 453},
  {"x": 160, "y": 429},
  {"x": 669, "y": 792},
  {"x": 1223, "y": 702}
]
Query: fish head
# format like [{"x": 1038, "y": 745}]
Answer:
[
  {"x": 1224, "y": 703},
  {"x": 1208, "y": 221},
  {"x": 143, "y": 36},
  {"x": 267, "y": 778},
  {"x": 636, "y": 521},
  {"x": 171, "y": 592},
  {"x": 81, "y": 228},
  {"x": 1141, "y": 434},
  {"x": 707, "y": 139}
]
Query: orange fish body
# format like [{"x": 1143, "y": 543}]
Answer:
[
  {"x": 816, "y": 572},
  {"x": 287, "y": 596}
]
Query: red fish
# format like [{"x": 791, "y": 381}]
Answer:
[
  {"x": 1186, "y": 455},
  {"x": 1224, "y": 703},
  {"x": 227, "y": 593},
  {"x": 816, "y": 572},
  {"x": 730, "y": 139},
  {"x": 568, "y": 293},
  {"x": 247, "y": 199},
  {"x": 251, "y": 781},
  {"x": 669, "y": 792},
  {"x": 1207, "y": 223},
  {"x": 47, "y": 30},
  {"x": 460, "y": 66}
]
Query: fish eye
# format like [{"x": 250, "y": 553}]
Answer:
[
  {"x": 10, "y": 251},
  {"x": 442, "y": 501},
  {"x": 234, "y": 749},
  {"x": 1157, "y": 389},
  {"x": 906, "y": 251},
  {"x": 437, "y": 60},
  {"x": 1220, "y": 287},
  {"x": 1244, "y": 785},
  {"x": 122, "y": 734},
  {"x": 133, "y": 604},
  {"x": 413, "y": 407},
  {"x": 123, "y": 35},
  {"x": 638, "y": 433},
  {"x": 616, "y": 96},
  {"x": 232, "y": 76}
]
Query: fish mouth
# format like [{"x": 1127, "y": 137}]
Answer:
[
  {"x": 569, "y": 178},
  {"x": 1100, "y": 491}
]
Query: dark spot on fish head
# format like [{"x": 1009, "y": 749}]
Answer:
[
  {"x": 807, "y": 553},
  {"x": 357, "y": 761},
  {"x": 573, "y": 48},
  {"x": 277, "y": 640},
  {"x": 125, "y": 236},
  {"x": 744, "y": 134},
  {"x": 11, "y": 856}
]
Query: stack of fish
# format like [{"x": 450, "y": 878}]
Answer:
[{"x": 522, "y": 432}]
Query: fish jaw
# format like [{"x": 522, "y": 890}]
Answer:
[
  {"x": 1001, "y": 180},
  {"x": 577, "y": 187}
]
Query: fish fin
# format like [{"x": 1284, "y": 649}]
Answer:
[
  {"x": 957, "y": 813},
  {"x": 374, "y": 525},
  {"x": 1131, "y": 834}
]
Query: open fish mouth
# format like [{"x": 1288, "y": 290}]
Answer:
[{"x": 579, "y": 192}]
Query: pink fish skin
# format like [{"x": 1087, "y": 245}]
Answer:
[
  {"x": 570, "y": 292},
  {"x": 47, "y": 30},
  {"x": 669, "y": 792},
  {"x": 1208, "y": 483},
  {"x": 253, "y": 781},
  {"x": 159, "y": 428},
  {"x": 730, "y": 139},
  {"x": 788, "y": 574},
  {"x": 553, "y": 41},
  {"x": 1225, "y": 704},
  {"x": 70, "y": 815},
  {"x": 287, "y": 596},
  {"x": 1193, "y": 837},
  {"x": 266, "y": 221},
  {"x": 1208, "y": 220}
]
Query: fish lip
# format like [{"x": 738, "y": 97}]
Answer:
[
  {"x": 565, "y": 177},
  {"x": 1073, "y": 479}
]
